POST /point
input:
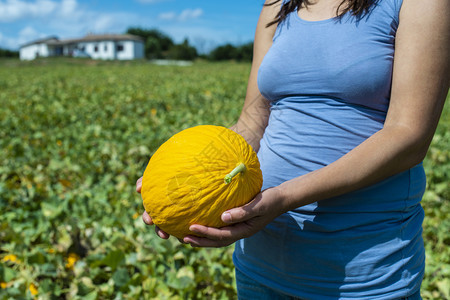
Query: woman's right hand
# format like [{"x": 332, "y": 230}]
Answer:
[{"x": 146, "y": 217}]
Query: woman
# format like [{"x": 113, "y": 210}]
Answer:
[{"x": 341, "y": 124}]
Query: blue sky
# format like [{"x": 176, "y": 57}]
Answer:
[{"x": 206, "y": 23}]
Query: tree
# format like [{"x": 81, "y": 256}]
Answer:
[
  {"x": 157, "y": 44},
  {"x": 230, "y": 52},
  {"x": 245, "y": 52},
  {"x": 183, "y": 51},
  {"x": 153, "y": 48},
  {"x": 8, "y": 53},
  {"x": 225, "y": 52}
]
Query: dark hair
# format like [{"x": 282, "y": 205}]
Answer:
[{"x": 357, "y": 8}]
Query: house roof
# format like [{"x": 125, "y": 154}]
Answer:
[
  {"x": 88, "y": 38},
  {"x": 103, "y": 37},
  {"x": 42, "y": 41}
]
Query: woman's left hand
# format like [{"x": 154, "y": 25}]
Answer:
[{"x": 244, "y": 221}]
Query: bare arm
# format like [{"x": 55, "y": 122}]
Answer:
[
  {"x": 255, "y": 112},
  {"x": 419, "y": 89}
]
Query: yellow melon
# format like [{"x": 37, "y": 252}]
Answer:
[{"x": 198, "y": 174}]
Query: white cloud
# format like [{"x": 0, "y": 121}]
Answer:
[
  {"x": 168, "y": 16},
  {"x": 103, "y": 23},
  {"x": 68, "y": 7},
  {"x": 185, "y": 15},
  {"x": 13, "y": 10},
  {"x": 24, "y": 36},
  {"x": 28, "y": 32},
  {"x": 188, "y": 14},
  {"x": 64, "y": 17}
]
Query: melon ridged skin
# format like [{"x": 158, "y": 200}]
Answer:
[{"x": 183, "y": 183}]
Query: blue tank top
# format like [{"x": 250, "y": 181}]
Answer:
[{"x": 329, "y": 85}]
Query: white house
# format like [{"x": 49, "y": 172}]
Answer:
[
  {"x": 107, "y": 46},
  {"x": 37, "y": 48}
]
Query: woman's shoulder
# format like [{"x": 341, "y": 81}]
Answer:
[
  {"x": 393, "y": 5},
  {"x": 386, "y": 9}
]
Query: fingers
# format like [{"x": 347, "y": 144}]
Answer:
[
  {"x": 243, "y": 213},
  {"x": 181, "y": 241},
  {"x": 196, "y": 241},
  {"x": 139, "y": 185},
  {"x": 237, "y": 215},
  {"x": 219, "y": 234},
  {"x": 217, "y": 237},
  {"x": 243, "y": 222},
  {"x": 147, "y": 219},
  {"x": 161, "y": 234}
]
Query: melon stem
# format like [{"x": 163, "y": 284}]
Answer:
[{"x": 239, "y": 168}]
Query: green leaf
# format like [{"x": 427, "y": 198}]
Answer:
[
  {"x": 444, "y": 287},
  {"x": 121, "y": 277},
  {"x": 187, "y": 271},
  {"x": 114, "y": 259},
  {"x": 7, "y": 274},
  {"x": 51, "y": 210},
  {"x": 91, "y": 296},
  {"x": 49, "y": 270},
  {"x": 184, "y": 283},
  {"x": 36, "y": 258},
  {"x": 46, "y": 286}
]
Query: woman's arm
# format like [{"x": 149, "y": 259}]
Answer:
[
  {"x": 255, "y": 112},
  {"x": 419, "y": 88}
]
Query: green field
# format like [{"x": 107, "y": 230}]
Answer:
[{"x": 76, "y": 134}]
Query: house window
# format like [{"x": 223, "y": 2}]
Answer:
[
  {"x": 106, "y": 48},
  {"x": 96, "y": 48},
  {"x": 119, "y": 47}
]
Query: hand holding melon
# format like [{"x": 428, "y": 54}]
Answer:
[{"x": 198, "y": 174}]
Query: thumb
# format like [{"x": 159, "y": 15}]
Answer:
[
  {"x": 139, "y": 185},
  {"x": 242, "y": 213}
]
